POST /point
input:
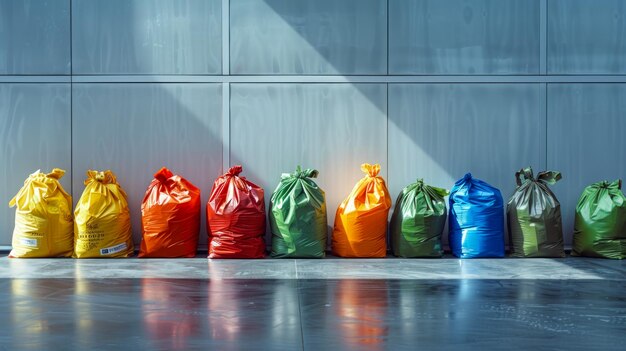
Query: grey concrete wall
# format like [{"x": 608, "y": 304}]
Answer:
[{"x": 427, "y": 88}]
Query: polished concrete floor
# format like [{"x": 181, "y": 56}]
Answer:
[{"x": 332, "y": 304}]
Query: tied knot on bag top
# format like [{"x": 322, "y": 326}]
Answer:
[
  {"x": 301, "y": 173},
  {"x": 109, "y": 183},
  {"x": 105, "y": 177},
  {"x": 235, "y": 170},
  {"x": 420, "y": 185},
  {"x": 614, "y": 189},
  {"x": 49, "y": 182},
  {"x": 239, "y": 181},
  {"x": 172, "y": 183},
  {"x": 371, "y": 170},
  {"x": 547, "y": 177},
  {"x": 163, "y": 175},
  {"x": 609, "y": 185}
]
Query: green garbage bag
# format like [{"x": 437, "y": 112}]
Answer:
[
  {"x": 534, "y": 216},
  {"x": 298, "y": 216},
  {"x": 600, "y": 226},
  {"x": 418, "y": 221}
]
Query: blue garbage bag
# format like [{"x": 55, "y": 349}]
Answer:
[{"x": 476, "y": 227}]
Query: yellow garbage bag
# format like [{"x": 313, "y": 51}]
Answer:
[
  {"x": 361, "y": 219},
  {"x": 102, "y": 219},
  {"x": 43, "y": 218}
]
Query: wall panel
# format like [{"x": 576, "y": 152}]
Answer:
[
  {"x": 464, "y": 37},
  {"x": 135, "y": 129},
  {"x": 586, "y": 142},
  {"x": 308, "y": 37},
  {"x": 146, "y": 37},
  {"x": 587, "y": 37},
  {"x": 333, "y": 128},
  {"x": 34, "y": 37},
  {"x": 35, "y": 133}
]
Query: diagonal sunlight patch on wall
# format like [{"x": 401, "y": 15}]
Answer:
[{"x": 301, "y": 47}]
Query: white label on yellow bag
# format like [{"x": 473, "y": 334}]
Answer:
[
  {"x": 28, "y": 242},
  {"x": 113, "y": 249}
]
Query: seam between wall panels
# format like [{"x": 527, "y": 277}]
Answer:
[
  {"x": 547, "y": 124},
  {"x": 543, "y": 37},
  {"x": 347, "y": 79},
  {"x": 71, "y": 110},
  {"x": 543, "y": 64},
  {"x": 225, "y": 85},
  {"x": 225, "y": 127},
  {"x": 545, "y": 79},
  {"x": 388, "y": 37}
]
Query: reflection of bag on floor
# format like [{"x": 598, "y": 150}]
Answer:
[
  {"x": 170, "y": 217},
  {"x": 361, "y": 219},
  {"x": 600, "y": 227},
  {"x": 476, "y": 227},
  {"x": 534, "y": 216},
  {"x": 418, "y": 221},
  {"x": 102, "y": 219},
  {"x": 298, "y": 216},
  {"x": 43, "y": 219},
  {"x": 236, "y": 217}
]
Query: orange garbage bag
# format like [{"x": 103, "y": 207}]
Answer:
[
  {"x": 361, "y": 219},
  {"x": 236, "y": 216},
  {"x": 170, "y": 217}
]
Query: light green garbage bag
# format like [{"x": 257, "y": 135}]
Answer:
[
  {"x": 298, "y": 216},
  {"x": 600, "y": 227}
]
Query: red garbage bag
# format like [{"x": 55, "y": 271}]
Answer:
[
  {"x": 236, "y": 217},
  {"x": 170, "y": 217}
]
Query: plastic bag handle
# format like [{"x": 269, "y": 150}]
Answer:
[
  {"x": 56, "y": 173},
  {"x": 12, "y": 202},
  {"x": 549, "y": 177},
  {"x": 523, "y": 175}
]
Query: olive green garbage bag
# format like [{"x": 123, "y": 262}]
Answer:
[
  {"x": 534, "y": 216},
  {"x": 298, "y": 216},
  {"x": 600, "y": 226},
  {"x": 418, "y": 221}
]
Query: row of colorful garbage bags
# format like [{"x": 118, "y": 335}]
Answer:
[{"x": 236, "y": 218}]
